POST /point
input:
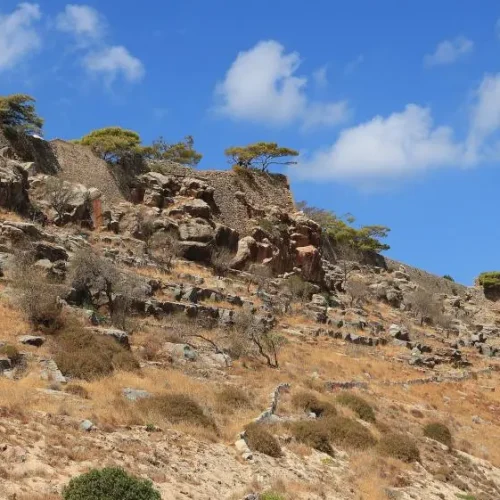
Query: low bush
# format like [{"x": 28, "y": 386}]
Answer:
[
  {"x": 399, "y": 446},
  {"x": 177, "y": 409},
  {"x": 357, "y": 404},
  {"x": 348, "y": 433},
  {"x": 231, "y": 398},
  {"x": 271, "y": 495},
  {"x": 490, "y": 280},
  {"x": 77, "y": 390},
  {"x": 11, "y": 352},
  {"x": 84, "y": 355},
  {"x": 308, "y": 402},
  {"x": 438, "y": 432},
  {"x": 110, "y": 484},
  {"x": 313, "y": 434},
  {"x": 258, "y": 438}
]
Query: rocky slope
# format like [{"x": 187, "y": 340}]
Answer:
[{"x": 242, "y": 314}]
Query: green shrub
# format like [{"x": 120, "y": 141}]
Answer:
[
  {"x": 271, "y": 495},
  {"x": 308, "y": 402},
  {"x": 300, "y": 289},
  {"x": 11, "y": 352},
  {"x": 313, "y": 434},
  {"x": 85, "y": 355},
  {"x": 231, "y": 398},
  {"x": 448, "y": 277},
  {"x": 358, "y": 405},
  {"x": 177, "y": 409},
  {"x": 109, "y": 484},
  {"x": 258, "y": 438},
  {"x": 490, "y": 280},
  {"x": 438, "y": 432},
  {"x": 399, "y": 446},
  {"x": 348, "y": 433}
]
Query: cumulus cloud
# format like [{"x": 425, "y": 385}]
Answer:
[
  {"x": 111, "y": 62},
  {"x": 325, "y": 114},
  {"x": 398, "y": 145},
  {"x": 18, "y": 34},
  {"x": 262, "y": 86},
  {"x": 82, "y": 21},
  {"x": 449, "y": 51}
]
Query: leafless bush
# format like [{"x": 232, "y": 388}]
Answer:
[
  {"x": 424, "y": 305},
  {"x": 260, "y": 275},
  {"x": 357, "y": 291},
  {"x": 346, "y": 256},
  {"x": 36, "y": 296},
  {"x": 267, "y": 342},
  {"x": 221, "y": 261},
  {"x": 164, "y": 248},
  {"x": 59, "y": 194},
  {"x": 90, "y": 271}
]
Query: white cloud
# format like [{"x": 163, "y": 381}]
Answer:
[
  {"x": 320, "y": 76},
  {"x": 485, "y": 118},
  {"x": 449, "y": 51},
  {"x": 82, "y": 21},
  {"x": 111, "y": 62},
  {"x": 18, "y": 36},
  {"x": 262, "y": 86},
  {"x": 326, "y": 114},
  {"x": 399, "y": 145}
]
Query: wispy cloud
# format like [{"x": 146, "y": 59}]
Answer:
[
  {"x": 85, "y": 23},
  {"x": 351, "y": 66},
  {"x": 449, "y": 51},
  {"x": 19, "y": 37}
]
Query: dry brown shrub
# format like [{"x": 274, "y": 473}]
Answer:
[
  {"x": 177, "y": 409},
  {"x": 77, "y": 390},
  {"x": 308, "y": 402},
  {"x": 84, "y": 355},
  {"x": 348, "y": 433},
  {"x": 260, "y": 439},
  {"x": 399, "y": 446},
  {"x": 358, "y": 405},
  {"x": 313, "y": 434},
  {"x": 231, "y": 398}
]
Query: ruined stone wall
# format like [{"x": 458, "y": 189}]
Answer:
[
  {"x": 239, "y": 197},
  {"x": 431, "y": 282}
]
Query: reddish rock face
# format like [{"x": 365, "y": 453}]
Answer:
[{"x": 309, "y": 259}]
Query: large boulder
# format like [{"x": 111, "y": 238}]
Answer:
[
  {"x": 196, "y": 230},
  {"x": 13, "y": 186},
  {"x": 247, "y": 252}
]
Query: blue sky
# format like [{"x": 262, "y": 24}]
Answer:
[{"x": 394, "y": 105}]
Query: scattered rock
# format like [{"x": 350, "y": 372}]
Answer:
[{"x": 32, "y": 340}]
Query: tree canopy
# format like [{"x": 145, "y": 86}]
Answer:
[
  {"x": 18, "y": 111},
  {"x": 112, "y": 143},
  {"x": 260, "y": 155},
  {"x": 341, "y": 231},
  {"x": 182, "y": 152}
]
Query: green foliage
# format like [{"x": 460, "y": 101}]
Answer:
[
  {"x": 308, "y": 402},
  {"x": 182, "y": 152},
  {"x": 399, "y": 446},
  {"x": 299, "y": 288},
  {"x": 490, "y": 280},
  {"x": 448, "y": 277},
  {"x": 341, "y": 232},
  {"x": 109, "y": 484},
  {"x": 271, "y": 495},
  {"x": 358, "y": 405},
  {"x": 177, "y": 409},
  {"x": 113, "y": 144},
  {"x": 18, "y": 111},
  {"x": 439, "y": 432},
  {"x": 260, "y": 155},
  {"x": 260, "y": 439},
  {"x": 313, "y": 434}
]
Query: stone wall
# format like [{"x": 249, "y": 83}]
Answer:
[
  {"x": 239, "y": 197},
  {"x": 431, "y": 282}
]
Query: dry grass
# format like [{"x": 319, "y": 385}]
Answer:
[{"x": 310, "y": 403}]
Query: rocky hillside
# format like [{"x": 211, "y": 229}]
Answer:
[{"x": 191, "y": 328}]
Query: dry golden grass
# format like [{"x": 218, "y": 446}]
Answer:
[
  {"x": 12, "y": 323},
  {"x": 7, "y": 215}
]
